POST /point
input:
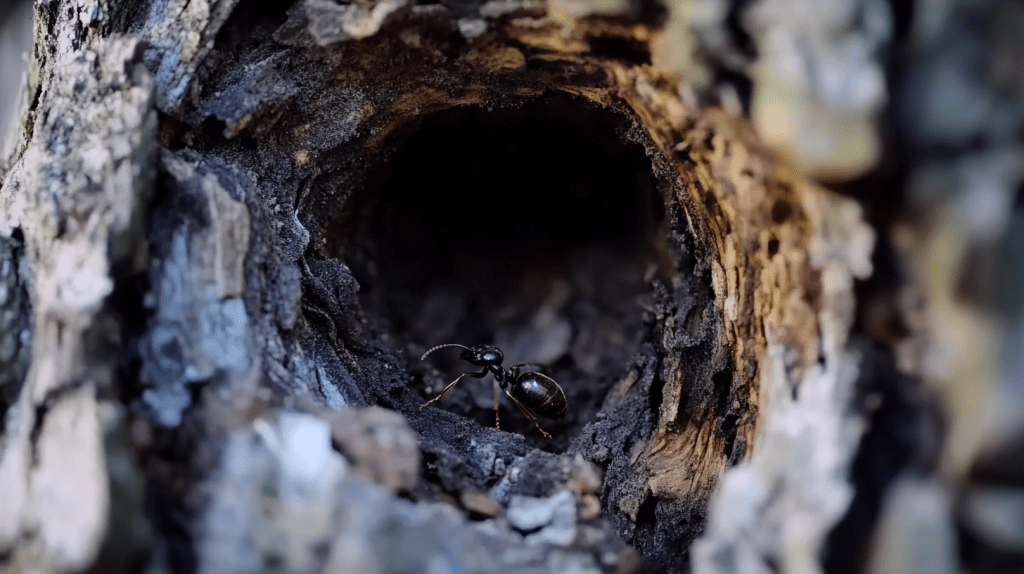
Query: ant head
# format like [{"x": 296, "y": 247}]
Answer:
[{"x": 483, "y": 356}]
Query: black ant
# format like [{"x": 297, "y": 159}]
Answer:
[{"x": 532, "y": 392}]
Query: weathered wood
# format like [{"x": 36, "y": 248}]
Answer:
[{"x": 201, "y": 189}]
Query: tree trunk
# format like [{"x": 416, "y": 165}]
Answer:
[{"x": 230, "y": 230}]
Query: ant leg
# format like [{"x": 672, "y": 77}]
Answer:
[
  {"x": 532, "y": 418},
  {"x": 444, "y": 392},
  {"x": 497, "y": 419}
]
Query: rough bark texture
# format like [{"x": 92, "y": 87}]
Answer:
[{"x": 229, "y": 230}]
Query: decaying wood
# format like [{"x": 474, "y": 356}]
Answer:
[{"x": 181, "y": 180}]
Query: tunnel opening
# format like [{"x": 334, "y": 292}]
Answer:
[{"x": 537, "y": 228}]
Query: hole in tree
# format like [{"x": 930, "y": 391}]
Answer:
[{"x": 536, "y": 228}]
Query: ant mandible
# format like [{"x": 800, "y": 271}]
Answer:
[{"x": 532, "y": 392}]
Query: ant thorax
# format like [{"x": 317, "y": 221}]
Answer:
[{"x": 504, "y": 377}]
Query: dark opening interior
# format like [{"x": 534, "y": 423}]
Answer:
[{"x": 536, "y": 228}]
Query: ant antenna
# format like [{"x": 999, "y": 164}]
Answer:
[{"x": 432, "y": 349}]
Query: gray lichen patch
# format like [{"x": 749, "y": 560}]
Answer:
[
  {"x": 77, "y": 192},
  {"x": 15, "y": 313},
  {"x": 199, "y": 327}
]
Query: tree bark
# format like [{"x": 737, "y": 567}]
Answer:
[{"x": 230, "y": 230}]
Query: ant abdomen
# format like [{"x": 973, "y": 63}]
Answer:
[{"x": 541, "y": 394}]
